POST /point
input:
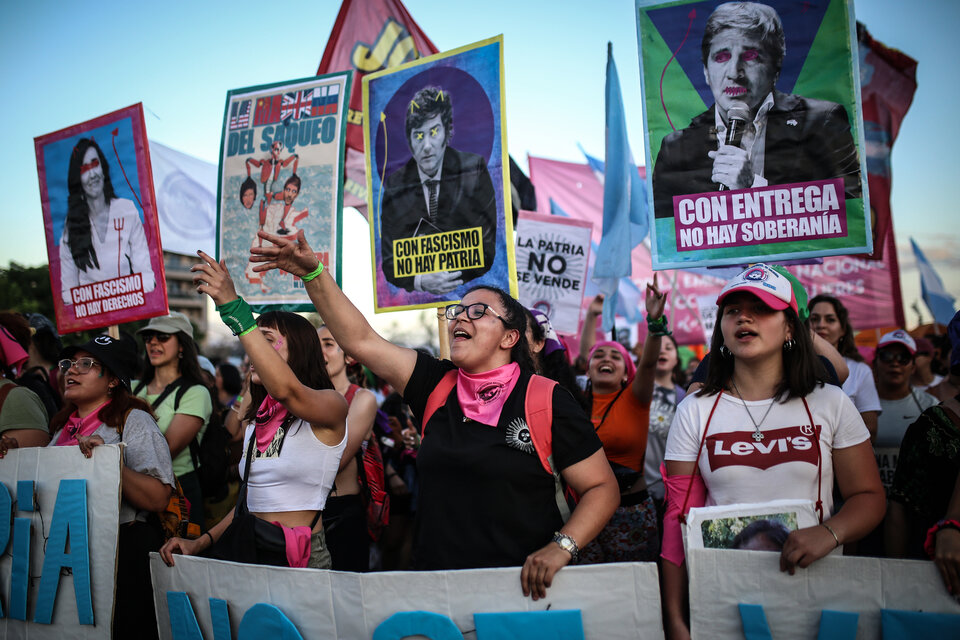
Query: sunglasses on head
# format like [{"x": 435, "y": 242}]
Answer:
[
  {"x": 82, "y": 364},
  {"x": 150, "y": 335},
  {"x": 899, "y": 357}
]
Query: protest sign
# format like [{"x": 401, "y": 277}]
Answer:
[
  {"x": 332, "y": 604},
  {"x": 755, "y": 137},
  {"x": 100, "y": 222},
  {"x": 552, "y": 258},
  {"x": 281, "y": 170},
  {"x": 58, "y": 559},
  {"x": 434, "y": 136},
  {"x": 837, "y": 597}
]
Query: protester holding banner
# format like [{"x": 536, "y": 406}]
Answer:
[
  {"x": 100, "y": 409},
  {"x": 296, "y": 432},
  {"x": 765, "y": 427},
  {"x": 172, "y": 384},
  {"x": 830, "y": 319},
  {"x": 620, "y": 394},
  {"x": 103, "y": 237},
  {"x": 345, "y": 515},
  {"x": 485, "y": 497}
]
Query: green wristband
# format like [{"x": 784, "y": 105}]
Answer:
[
  {"x": 238, "y": 316},
  {"x": 313, "y": 274},
  {"x": 658, "y": 327}
]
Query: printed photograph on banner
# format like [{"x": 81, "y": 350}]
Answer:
[
  {"x": 100, "y": 222},
  {"x": 754, "y": 131},
  {"x": 552, "y": 256},
  {"x": 436, "y": 169},
  {"x": 281, "y": 170},
  {"x": 750, "y": 527}
]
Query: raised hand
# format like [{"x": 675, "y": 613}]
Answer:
[
  {"x": 212, "y": 278},
  {"x": 655, "y": 300},
  {"x": 291, "y": 254}
]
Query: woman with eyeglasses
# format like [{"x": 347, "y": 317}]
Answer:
[
  {"x": 485, "y": 500},
  {"x": 99, "y": 409},
  {"x": 172, "y": 384},
  {"x": 296, "y": 432},
  {"x": 765, "y": 427}
]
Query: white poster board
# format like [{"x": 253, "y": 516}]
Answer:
[
  {"x": 53, "y": 471},
  {"x": 552, "y": 257},
  {"x": 721, "y": 580},
  {"x": 613, "y": 600}
]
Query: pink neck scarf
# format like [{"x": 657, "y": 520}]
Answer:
[
  {"x": 482, "y": 395},
  {"x": 76, "y": 426},
  {"x": 11, "y": 353},
  {"x": 270, "y": 416}
]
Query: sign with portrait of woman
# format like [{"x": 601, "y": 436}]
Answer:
[{"x": 100, "y": 220}]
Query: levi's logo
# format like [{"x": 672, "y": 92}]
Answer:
[{"x": 789, "y": 444}]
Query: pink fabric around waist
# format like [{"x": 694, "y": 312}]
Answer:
[
  {"x": 677, "y": 488},
  {"x": 298, "y": 545}
]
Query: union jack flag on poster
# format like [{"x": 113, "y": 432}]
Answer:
[
  {"x": 325, "y": 100},
  {"x": 240, "y": 115},
  {"x": 296, "y": 105}
]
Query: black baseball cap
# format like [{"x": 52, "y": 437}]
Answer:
[{"x": 118, "y": 355}]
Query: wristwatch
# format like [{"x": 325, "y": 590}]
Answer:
[{"x": 568, "y": 544}]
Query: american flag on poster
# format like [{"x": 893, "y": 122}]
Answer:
[
  {"x": 240, "y": 115},
  {"x": 325, "y": 100},
  {"x": 296, "y": 105}
]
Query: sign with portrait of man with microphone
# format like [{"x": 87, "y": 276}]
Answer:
[{"x": 754, "y": 131}]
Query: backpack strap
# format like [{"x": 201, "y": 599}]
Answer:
[
  {"x": 351, "y": 392},
  {"x": 538, "y": 407},
  {"x": 438, "y": 397}
]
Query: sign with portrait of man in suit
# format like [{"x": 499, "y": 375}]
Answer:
[
  {"x": 754, "y": 131},
  {"x": 436, "y": 169}
]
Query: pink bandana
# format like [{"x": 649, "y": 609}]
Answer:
[
  {"x": 481, "y": 395},
  {"x": 297, "y": 542},
  {"x": 76, "y": 427},
  {"x": 11, "y": 353},
  {"x": 270, "y": 416}
]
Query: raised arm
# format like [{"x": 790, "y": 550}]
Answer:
[
  {"x": 322, "y": 408},
  {"x": 642, "y": 387},
  {"x": 350, "y": 329},
  {"x": 588, "y": 333},
  {"x": 828, "y": 351}
]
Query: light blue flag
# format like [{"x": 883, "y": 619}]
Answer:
[
  {"x": 940, "y": 303},
  {"x": 629, "y": 296},
  {"x": 624, "y": 200}
]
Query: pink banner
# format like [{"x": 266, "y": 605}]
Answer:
[{"x": 808, "y": 210}]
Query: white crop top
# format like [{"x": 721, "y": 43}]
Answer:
[{"x": 298, "y": 478}]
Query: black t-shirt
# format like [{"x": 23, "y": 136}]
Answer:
[{"x": 485, "y": 500}]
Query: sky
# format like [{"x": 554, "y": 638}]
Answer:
[{"x": 180, "y": 58}]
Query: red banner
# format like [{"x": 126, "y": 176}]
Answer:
[{"x": 369, "y": 35}]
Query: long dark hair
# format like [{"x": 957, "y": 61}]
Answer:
[
  {"x": 677, "y": 375},
  {"x": 188, "y": 365},
  {"x": 555, "y": 365},
  {"x": 802, "y": 369},
  {"x": 78, "y": 211},
  {"x": 847, "y": 346},
  {"x": 304, "y": 355},
  {"x": 113, "y": 415},
  {"x": 515, "y": 317}
]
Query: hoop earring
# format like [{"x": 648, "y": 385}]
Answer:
[
  {"x": 788, "y": 345},
  {"x": 725, "y": 352}
]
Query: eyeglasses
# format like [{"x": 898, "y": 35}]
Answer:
[
  {"x": 474, "y": 311},
  {"x": 83, "y": 364},
  {"x": 161, "y": 337},
  {"x": 888, "y": 357}
]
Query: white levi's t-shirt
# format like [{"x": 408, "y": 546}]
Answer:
[{"x": 738, "y": 469}]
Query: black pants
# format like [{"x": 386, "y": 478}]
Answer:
[
  {"x": 190, "y": 483},
  {"x": 133, "y": 612},
  {"x": 345, "y": 527}
]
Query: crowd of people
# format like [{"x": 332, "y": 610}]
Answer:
[{"x": 349, "y": 452}]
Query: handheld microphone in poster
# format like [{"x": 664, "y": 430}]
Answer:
[{"x": 737, "y": 118}]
